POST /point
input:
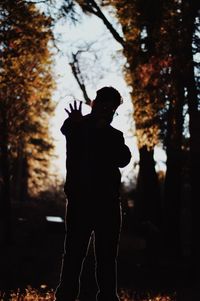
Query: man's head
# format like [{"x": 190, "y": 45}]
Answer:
[{"x": 105, "y": 104}]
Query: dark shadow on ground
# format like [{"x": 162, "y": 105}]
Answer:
[{"x": 34, "y": 257}]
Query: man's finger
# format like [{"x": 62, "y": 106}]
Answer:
[
  {"x": 80, "y": 106},
  {"x": 75, "y": 105},
  {"x": 68, "y": 112},
  {"x": 71, "y": 107}
]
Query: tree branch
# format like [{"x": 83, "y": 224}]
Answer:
[
  {"x": 77, "y": 74},
  {"x": 92, "y": 7}
]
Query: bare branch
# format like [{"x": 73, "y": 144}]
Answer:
[
  {"x": 78, "y": 76},
  {"x": 92, "y": 7}
]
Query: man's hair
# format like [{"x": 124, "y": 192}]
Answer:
[{"x": 107, "y": 94}]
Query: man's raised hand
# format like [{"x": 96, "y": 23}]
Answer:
[{"x": 75, "y": 112}]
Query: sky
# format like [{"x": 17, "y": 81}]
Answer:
[{"x": 101, "y": 67}]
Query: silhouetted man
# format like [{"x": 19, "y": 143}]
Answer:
[{"x": 95, "y": 151}]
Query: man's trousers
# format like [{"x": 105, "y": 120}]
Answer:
[{"x": 104, "y": 221}]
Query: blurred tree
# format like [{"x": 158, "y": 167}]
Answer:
[
  {"x": 26, "y": 85},
  {"x": 164, "y": 83},
  {"x": 191, "y": 77}
]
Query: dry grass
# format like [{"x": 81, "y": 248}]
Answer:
[{"x": 46, "y": 294}]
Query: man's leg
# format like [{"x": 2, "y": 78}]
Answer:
[
  {"x": 77, "y": 237},
  {"x": 107, "y": 232},
  {"x": 88, "y": 283}
]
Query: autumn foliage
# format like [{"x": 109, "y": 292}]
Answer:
[{"x": 26, "y": 84}]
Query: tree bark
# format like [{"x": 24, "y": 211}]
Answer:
[{"x": 5, "y": 215}]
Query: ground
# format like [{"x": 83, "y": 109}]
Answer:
[{"x": 33, "y": 257}]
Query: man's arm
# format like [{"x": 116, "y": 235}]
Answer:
[
  {"x": 122, "y": 153},
  {"x": 118, "y": 153}
]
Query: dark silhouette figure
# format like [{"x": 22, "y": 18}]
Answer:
[{"x": 95, "y": 151}]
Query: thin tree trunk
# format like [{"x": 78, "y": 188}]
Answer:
[
  {"x": 190, "y": 11},
  {"x": 148, "y": 205},
  {"x": 173, "y": 179},
  {"x": 5, "y": 214}
]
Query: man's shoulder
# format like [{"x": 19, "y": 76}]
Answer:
[
  {"x": 86, "y": 117},
  {"x": 115, "y": 131}
]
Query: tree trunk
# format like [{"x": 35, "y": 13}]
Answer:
[
  {"x": 5, "y": 214},
  {"x": 19, "y": 185},
  {"x": 190, "y": 10},
  {"x": 148, "y": 205},
  {"x": 173, "y": 179}
]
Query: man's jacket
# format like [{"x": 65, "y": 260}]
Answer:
[{"x": 94, "y": 156}]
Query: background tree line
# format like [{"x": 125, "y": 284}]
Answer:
[
  {"x": 26, "y": 85},
  {"x": 160, "y": 41}
]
